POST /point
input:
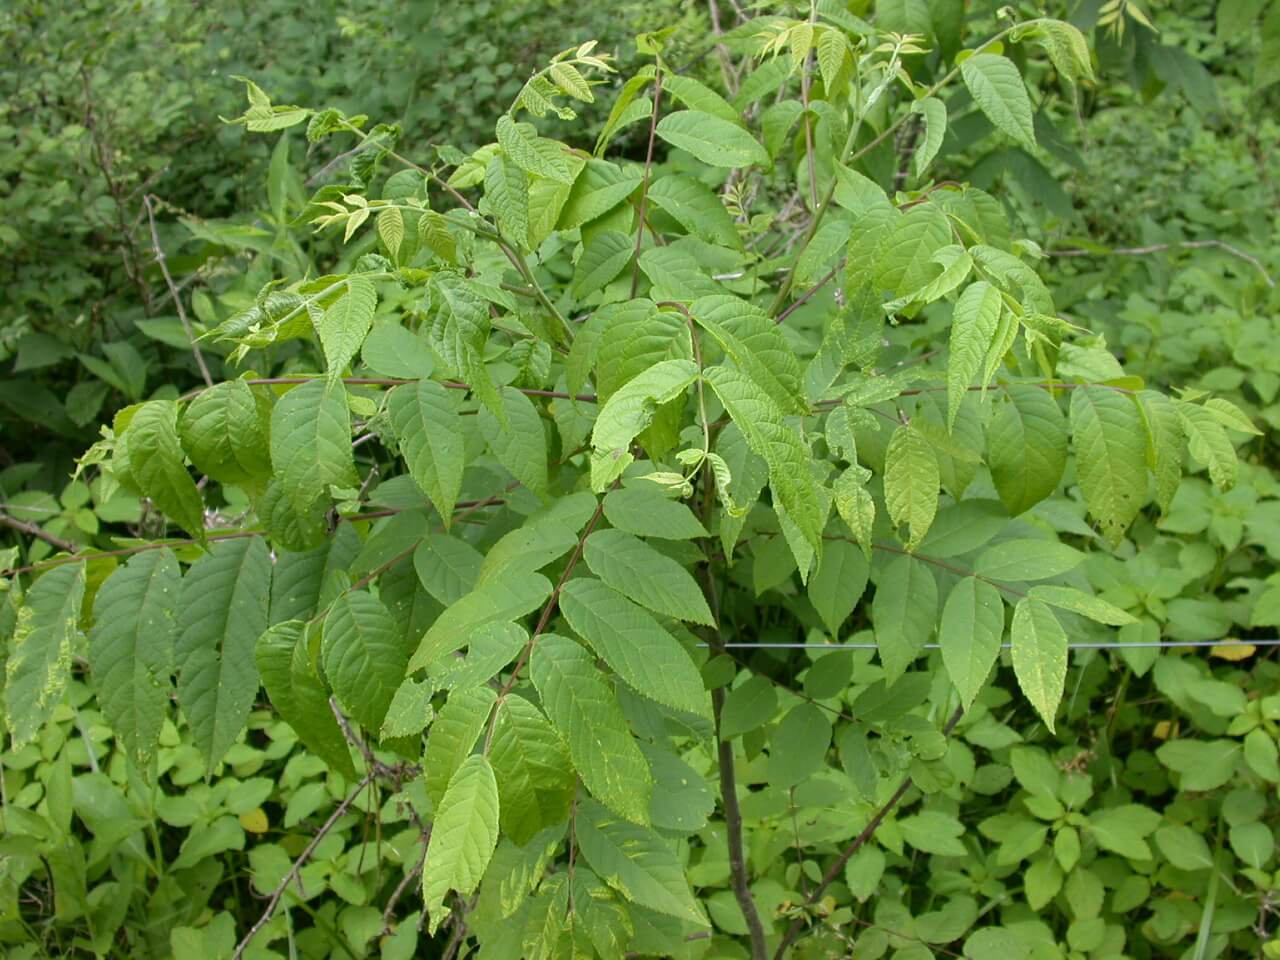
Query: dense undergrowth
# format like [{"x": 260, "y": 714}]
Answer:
[{"x": 1124, "y": 807}]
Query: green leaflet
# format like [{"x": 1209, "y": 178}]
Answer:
[
  {"x": 698, "y": 96},
  {"x": 601, "y": 187},
  {"x": 311, "y": 443},
  {"x": 601, "y": 914},
  {"x": 463, "y": 837},
  {"x": 299, "y": 695},
  {"x": 1039, "y": 656},
  {"x": 634, "y": 336},
  {"x": 1069, "y": 598},
  {"x": 506, "y": 598},
  {"x": 532, "y": 154},
  {"x": 543, "y": 537},
  {"x": 459, "y": 321},
  {"x": 490, "y": 647},
  {"x": 506, "y": 197},
  {"x": 364, "y": 656},
  {"x": 969, "y": 634},
  {"x": 1111, "y": 466},
  {"x": 429, "y": 432},
  {"x": 973, "y": 325},
  {"x": 713, "y": 140},
  {"x": 637, "y": 862},
  {"x": 798, "y": 745},
  {"x": 640, "y": 651},
  {"x": 911, "y": 482},
  {"x": 224, "y": 432},
  {"x": 646, "y": 512},
  {"x": 222, "y": 612},
  {"x": 410, "y": 710},
  {"x": 651, "y": 579},
  {"x": 997, "y": 88},
  {"x": 131, "y": 648},
  {"x": 44, "y": 639},
  {"x": 778, "y": 445},
  {"x": 748, "y": 707},
  {"x": 448, "y": 567},
  {"x": 1027, "y": 560},
  {"x": 628, "y": 412},
  {"x": 1164, "y": 444},
  {"x": 1208, "y": 443},
  {"x": 696, "y": 208},
  {"x": 838, "y": 584},
  {"x": 756, "y": 346},
  {"x": 603, "y": 259},
  {"x": 904, "y": 612},
  {"x": 519, "y": 443},
  {"x": 156, "y": 464},
  {"x": 1026, "y": 447},
  {"x": 303, "y": 581},
  {"x": 345, "y": 322},
  {"x": 536, "y": 782},
  {"x": 934, "y": 113},
  {"x": 585, "y": 712},
  {"x": 453, "y": 735}
]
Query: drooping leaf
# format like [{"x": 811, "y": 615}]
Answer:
[
  {"x": 463, "y": 837},
  {"x": 311, "y": 443},
  {"x": 453, "y": 736},
  {"x": 713, "y": 140},
  {"x": 39, "y": 662},
  {"x": 997, "y": 88},
  {"x": 222, "y": 612},
  {"x": 636, "y": 646},
  {"x": 904, "y": 612},
  {"x": 520, "y": 444},
  {"x": 131, "y": 648},
  {"x": 641, "y": 573},
  {"x": 156, "y": 464},
  {"x": 585, "y": 712},
  {"x": 1039, "y": 656},
  {"x": 427, "y": 427},
  {"x": 628, "y": 412},
  {"x": 1026, "y": 447},
  {"x": 637, "y": 862},
  {"x": 969, "y": 634},
  {"x": 535, "y": 779},
  {"x": 973, "y": 325},
  {"x": 345, "y": 322},
  {"x": 1111, "y": 465},
  {"x": 364, "y": 657},
  {"x": 224, "y": 432}
]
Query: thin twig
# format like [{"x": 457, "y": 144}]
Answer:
[
  {"x": 298, "y": 864},
  {"x": 644, "y": 180},
  {"x": 400, "y": 381},
  {"x": 739, "y": 879},
  {"x": 163, "y": 262},
  {"x": 31, "y": 530},
  {"x": 1161, "y": 247},
  {"x": 837, "y": 867},
  {"x": 403, "y": 885},
  {"x": 804, "y": 297}
]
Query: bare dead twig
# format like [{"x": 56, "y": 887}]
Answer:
[
  {"x": 1162, "y": 247},
  {"x": 31, "y": 530},
  {"x": 162, "y": 261}
]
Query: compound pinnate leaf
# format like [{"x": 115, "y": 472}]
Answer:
[
  {"x": 585, "y": 712},
  {"x": 44, "y": 639},
  {"x": 464, "y": 835},
  {"x": 222, "y": 613},
  {"x": 131, "y": 647},
  {"x": 649, "y": 659}
]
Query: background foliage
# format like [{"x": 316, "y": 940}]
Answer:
[{"x": 1142, "y": 825}]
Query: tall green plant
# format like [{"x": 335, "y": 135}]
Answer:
[{"x": 499, "y": 495}]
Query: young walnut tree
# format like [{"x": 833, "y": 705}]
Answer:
[{"x": 518, "y": 471}]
